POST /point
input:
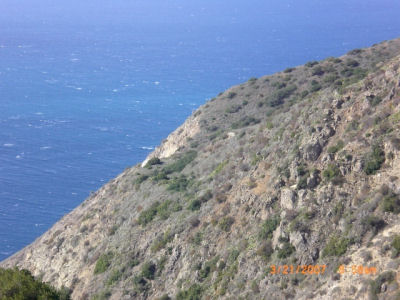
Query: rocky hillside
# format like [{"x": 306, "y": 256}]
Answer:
[{"x": 299, "y": 168}]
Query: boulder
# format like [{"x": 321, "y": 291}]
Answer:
[
  {"x": 288, "y": 199},
  {"x": 312, "y": 151}
]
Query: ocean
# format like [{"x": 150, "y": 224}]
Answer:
[{"x": 87, "y": 90}]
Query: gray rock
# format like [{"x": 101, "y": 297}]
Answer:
[
  {"x": 312, "y": 151},
  {"x": 298, "y": 241},
  {"x": 288, "y": 198}
]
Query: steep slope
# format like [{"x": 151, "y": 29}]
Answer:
[{"x": 297, "y": 168}]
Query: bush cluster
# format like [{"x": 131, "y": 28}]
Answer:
[
  {"x": 286, "y": 250},
  {"x": 374, "y": 160},
  {"x": 336, "y": 148},
  {"x": 225, "y": 223},
  {"x": 391, "y": 203},
  {"x": 193, "y": 293},
  {"x": 336, "y": 246},
  {"x": 244, "y": 122},
  {"x": 20, "y": 284},
  {"x": 277, "y": 98},
  {"x": 396, "y": 245},
  {"x": 163, "y": 210},
  {"x": 265, "y": 250},
  {"x": 103, "y": 263},
  {"x": 181, "y": 163},
  {"x": 332, "y": 173},
  {"x": 268, "y": 227},
  {"x": 153, "y": 161}
]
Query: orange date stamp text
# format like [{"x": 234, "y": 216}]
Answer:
[{"x": 299, "y": 269}]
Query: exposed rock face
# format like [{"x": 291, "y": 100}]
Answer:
[
  {"x": 297, "y": 168},
  {"x": 312, "y": 151},
  {"x": 176, "y": 139},
  {"x": 288, "y": 199}
]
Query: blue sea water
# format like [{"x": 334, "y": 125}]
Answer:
[{"x": 89, "y": 89}]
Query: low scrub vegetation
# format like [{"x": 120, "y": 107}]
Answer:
[
  {"x": 103, "y": 263},
  {"x": 336, "y": 246},
  {"x": 181, "y": 163},
  {"x": 20, "y": 284},
  {"x": 244, "y": 122},
  {"x": 163, "y": 210},
  {"x": 193, "y": 293},
  {"x": 374, "y": 160},
  {"x": 332, "y": 173},
  {"x": 268, "y": 227}
]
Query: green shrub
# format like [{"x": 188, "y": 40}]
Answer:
[
  {"x": 332, "y": 173},
  {"x": 153, "y": 161},
  {"x": 163, "y": 210},
  {"x": 304, "y": 93},
  {"x": 206, "y": 196},
  {"x": 233, "y": 109},
  {"x": 265, "y": 250},
  {"x": 162, "y": 241},
  {"x": 149, "y": 214},
  {"x": 114, "y": 277},
  {"x": 374, "y": 160},
  {"x": 286, "y": 250},
  {"x": 355, "y": 51},
  {"x": 331, "y": 78},
  {"x": 103, "y": 263},
  {"x": 352, "y": 63},
  {"x": 339, "y": 145},
  {"x": 315, "y": 86},
  {"x": 396, "y": 245},
  {"x": 353, "y": 125},
  {"x": 373, "y": 223},
  {"x": 268, "y": 227},
  {"x": 244, "y": 122},
  {"x": 225, "y": 223},
  {"x": 374, "y": 100},
  {"x": 303, "y": 174},
  {"x": 289, "y": 70},
  {"x": 178, "y": 184},
  {"x": 278, "y": 84},
  {"x": 194, "y": 205},
  {"x": 231, "y": 95},
  {"x": 20, "y": 284},
  {"x": 181, "y": 163},
  {"x": 141, "y": 178},
  {"x": 148, "y": 270},
  {"x": 103, "y": 295},
  {"x": 311, "y": 64},
  {"x": 376, "y": 284},
  {"x": 277, "y": 98},
  {"x": 193, "y": 293},
  {"x": 391, "y": 203},
  {"x": 336, "y": 246},
  {"x": 141, "y": 285},
  {"x": 159, "y": 175},
  {"x": 317, "y": 71},
  {"x": 197, "y": 238},
  {"x": 219, "y": 168},
  {"x": 205, "y": 271}
]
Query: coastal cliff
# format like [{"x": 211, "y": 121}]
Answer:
[{"x": 299, "y": 168}]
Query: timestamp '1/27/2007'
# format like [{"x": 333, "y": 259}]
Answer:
[
  {"x": 299, "y": 269},
  {"x": 320, "y": 270}
]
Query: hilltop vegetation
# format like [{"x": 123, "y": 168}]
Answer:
[
  {"x": 20, "y": 284},
  {"x": 294, "y": 168}
]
